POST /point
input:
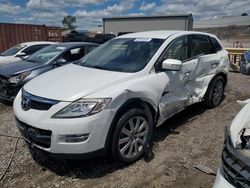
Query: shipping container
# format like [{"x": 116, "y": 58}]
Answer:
[
  {"x": 54, "y": 34},
  {"x": 12, "y": 34}
]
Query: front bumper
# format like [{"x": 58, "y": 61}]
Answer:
[
  {"x": 8, "y": 91},
  {"x": 235, "y": 167},
  {"x": 220, "y": 181},
  {"x": 44, "y": 132}
]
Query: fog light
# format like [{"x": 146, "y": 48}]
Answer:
[{"x": 73, "y": 138}]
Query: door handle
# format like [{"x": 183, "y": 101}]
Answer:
[
  {"x": 214, "y": 65},
  {"x": 164, "y": 93},
  {"x": 187, "y": 73}
]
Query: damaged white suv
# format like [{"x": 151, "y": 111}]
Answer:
[{"x": 114, "y": 97}]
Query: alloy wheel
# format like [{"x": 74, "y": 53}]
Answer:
[
  {"x": 133, "y": 136},
  {"x": 217, "y": 92}
]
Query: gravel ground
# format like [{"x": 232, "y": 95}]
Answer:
[{"x": 193, "y": 137}]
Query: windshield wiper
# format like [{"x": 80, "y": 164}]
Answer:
[
  {"x": 99, "y": 67},
  {"x": 29, "y": 60},
  {"x": 94, "y": 66}
]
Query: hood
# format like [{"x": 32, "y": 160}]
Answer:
[
  {"x": 13, "y": 68},
  {"x": 71, "y": 82},
  {"x": 241, "y": 122},
  {"x": 8, "y": 59}
]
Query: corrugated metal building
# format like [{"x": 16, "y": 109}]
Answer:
[
  {"x": 146, "y": 23},
  {"x": 12, "y": 34}
]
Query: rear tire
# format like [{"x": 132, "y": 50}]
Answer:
[
  {"x": 215, "y": 92},
  {"x": 132, "y": 135}
]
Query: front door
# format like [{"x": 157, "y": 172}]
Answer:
[{"x": 174, "y": 84}]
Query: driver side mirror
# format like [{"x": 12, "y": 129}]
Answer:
[
  {"x": 21, "y": 54},
  {"x": 60, "y": 61},
  {"x": 171, "y": 64}
]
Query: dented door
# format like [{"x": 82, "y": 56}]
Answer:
[
  {"x": 172, "y": 83},
  {"x": 208, "y": 63},
  {"x": 187, "y": 86}
]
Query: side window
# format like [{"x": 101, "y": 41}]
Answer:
[
  {"x": 177, "y": 50},
  {"x": 32, "y": 49},
  {"x": 216, "y": 46},
  {"x": 89, "y": 49},
  {"x": 200, "y": 45},
  {"x": 73, "y": 54}
]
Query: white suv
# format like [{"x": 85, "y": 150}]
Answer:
[{"x": 114, "y": 97}]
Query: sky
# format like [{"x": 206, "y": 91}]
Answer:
[{"x": 89, "y": 13}]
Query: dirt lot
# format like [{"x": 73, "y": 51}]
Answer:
[{"x": 193, "y": 137}]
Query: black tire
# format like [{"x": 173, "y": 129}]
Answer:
[
  {"x": 123, "y": 122},
  {"x": 215, "y": 92}
]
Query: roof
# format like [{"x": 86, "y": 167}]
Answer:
[
  {"x": 75, "y": 44},
  {"x": 223, "y": 22},
  {"x": 160, "y": 34},
  {"x": 146, "y": 17},
  {"x": 37, "y": 42}
]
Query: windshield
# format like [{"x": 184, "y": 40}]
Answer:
[
  {"x": 123, "y": 54},
  {"x": 45, "y": 54},
  {"x": 13, "y": 50}
]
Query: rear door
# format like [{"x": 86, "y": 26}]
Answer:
[{"x": 208, "y": 62}]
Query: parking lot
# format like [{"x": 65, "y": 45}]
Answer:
[{"x": 193, "y": 137}]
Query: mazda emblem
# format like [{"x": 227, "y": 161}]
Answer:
[{"x": 26, "y": 103}]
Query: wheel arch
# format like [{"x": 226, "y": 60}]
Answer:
[
  {"x": 207, "y": 95},
  {"x": 134, "y": 102},
  {"x": 223, "y": 75}
]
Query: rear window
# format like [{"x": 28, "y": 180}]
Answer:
[{"x": 216, "y": 45}]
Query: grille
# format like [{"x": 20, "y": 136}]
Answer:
[
  {"x": 236, "y": 167},
  {"x": 3, "y": 88},
  {"x": 37, "y": 105},
  {"x": 30, "y": 101},
  {"x": 3, "y": 80},
  {"x": 34, "y": 135}
]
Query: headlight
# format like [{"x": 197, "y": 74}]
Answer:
[
  {"x": 20, "y": 77},
  {"x": 82, "y": 107}
]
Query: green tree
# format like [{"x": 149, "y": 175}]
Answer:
[{"x": 68, "y": 22}]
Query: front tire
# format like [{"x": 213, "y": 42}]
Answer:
[
  {"x": 215, "y": 92},
  {"x": 132, "y": 135}
]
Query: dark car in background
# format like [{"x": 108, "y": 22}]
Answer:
[
  {"x": 86, "y": 36},
  {"x": 245, "y": 63},
  {"x": 123, "y": 33},
  {"x": 101, "y": 38},
  {"x": 14, "y": 75},
  {"x": 76, "y": 36}
]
